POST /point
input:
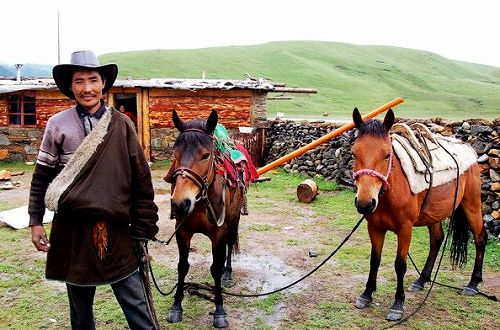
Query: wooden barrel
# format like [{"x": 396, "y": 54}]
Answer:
[{"x": 307, "y": 191}]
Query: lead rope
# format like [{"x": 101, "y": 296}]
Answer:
[{"x": 197, "y": 286}]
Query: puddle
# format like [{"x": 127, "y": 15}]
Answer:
[{"x": 267, "y": 272}]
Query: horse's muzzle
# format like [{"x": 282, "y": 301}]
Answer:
[
  {"x": 365, "y": 207},
  {"x": 183, "y": 208}
]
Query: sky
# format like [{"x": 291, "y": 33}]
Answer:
[{"x": 460, "y": 30}]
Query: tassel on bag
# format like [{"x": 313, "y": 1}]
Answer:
[{"x": 100, "y": 236}]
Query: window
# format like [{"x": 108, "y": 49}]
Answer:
[{"x": 22, "y": 109}]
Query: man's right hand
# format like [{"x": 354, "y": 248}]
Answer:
[{"x": 39, "y": 238}]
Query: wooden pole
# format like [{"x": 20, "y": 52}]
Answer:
[{"x": 326, "y": 137}]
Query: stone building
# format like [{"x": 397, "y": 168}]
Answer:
[{"x": 25, "y": 107}]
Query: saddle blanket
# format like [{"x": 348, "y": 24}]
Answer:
[{"x": 443, "y": 167}]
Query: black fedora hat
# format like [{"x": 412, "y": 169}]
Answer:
[{"x": 83, "y": 60}]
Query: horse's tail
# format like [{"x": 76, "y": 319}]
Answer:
[
  {"x": 234, "y": 238},
  {"x": 460, "y": 238}
]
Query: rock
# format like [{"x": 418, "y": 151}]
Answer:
[
  {"x": 6, "y": 186},
  {"x": 495, "y": 186},
  {"x": 4, "y": 153},
  {"x": 494, "y": 175},
  {"x": 494, "y": 162},
  {"x": 494, "y": 152},
  {"x": 483, "y": 159},
  {"x": 465, "y": 126},
  {"x": 488, "y": 217},
  {"x": 480, "y": 129}
]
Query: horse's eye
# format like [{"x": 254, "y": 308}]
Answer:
[
  {"x": 388, "y": 156},
  {"x": 205, "y": 156}
]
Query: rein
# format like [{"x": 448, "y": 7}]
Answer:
[{"x": 372, "y": 172}]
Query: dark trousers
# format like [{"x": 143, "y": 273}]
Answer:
[{"x": 130, "y": 294}]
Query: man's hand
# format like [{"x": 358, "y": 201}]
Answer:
[{"x": 39, "y": 238}]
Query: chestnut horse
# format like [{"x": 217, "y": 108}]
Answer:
[
  {"x": 202, "y": 203},
  {"x": 384, "y": 197}
]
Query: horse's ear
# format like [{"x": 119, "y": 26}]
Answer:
[
  {"x": 389, "y": 120},
  {"x": 178, "y": 123},
  {"x": 356, "y": 117},
  {"x": 212, "y": 121}
]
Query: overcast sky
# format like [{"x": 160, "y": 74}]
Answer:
[{"x": 462, "y": 30}]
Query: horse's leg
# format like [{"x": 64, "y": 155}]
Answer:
[
  {"x": 227, "y": 278},
  {"x": 217, "y": 268},
  {"x": 404, "y": 238},
  {"x": 232, "y": 246},
  {"x": 472, "y": 212},
  {"x": 436, "y": 236},
  {"x": 183, "y": 244},
  {"x": 377, "y": 240}
]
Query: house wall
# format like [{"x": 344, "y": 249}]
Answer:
[
  {"x": 49, "y": 103},
  {"x": 235, "y": 108},
  {"x": 22, "y": 143}
]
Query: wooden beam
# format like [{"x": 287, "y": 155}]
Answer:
[
  {"x": 146, "y": 129},
  {"x": 279, "y": 98},
  {"x": 294, "y": 90}
]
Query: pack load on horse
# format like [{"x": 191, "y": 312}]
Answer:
[
  {"x": 208, "y": 193},
  {"x": 408, "y": 179}
]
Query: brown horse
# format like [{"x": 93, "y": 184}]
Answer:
[
  {"x": 384, "y": 197},
  {"x": 203, "y": 203}
]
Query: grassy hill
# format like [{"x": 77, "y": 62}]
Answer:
[{"x": 345, "y": 75}]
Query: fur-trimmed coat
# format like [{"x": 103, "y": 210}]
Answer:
[{"x": 107, "y": 179}]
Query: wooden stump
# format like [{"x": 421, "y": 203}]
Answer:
[
  {"x": 307, "y": 191},
  {"x": 5, "y": 175}
]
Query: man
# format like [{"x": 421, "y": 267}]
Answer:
[{"x": 101, "y": 192}]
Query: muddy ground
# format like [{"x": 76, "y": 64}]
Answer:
[{"x": 275, "y": 250}]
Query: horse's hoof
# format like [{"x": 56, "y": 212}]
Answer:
[
  {"x": 415, "y": 287},
  {"x": 394, "y": 315},
  {"x": 227, "y": 281},
  {"x": 362, "y": 302},
  {"x": 175, "y": 314},
  {"x": 220, "y": 321},
  {"x": 469, "y": 291}
]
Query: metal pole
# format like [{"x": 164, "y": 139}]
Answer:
[
  {"x": 58, "y": 40},
  {"x": 327, "y": 137}
]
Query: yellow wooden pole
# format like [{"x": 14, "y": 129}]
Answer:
[{"x": 327, "y": 137}]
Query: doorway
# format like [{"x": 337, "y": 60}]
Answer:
[{"x": 129, "y": 103}]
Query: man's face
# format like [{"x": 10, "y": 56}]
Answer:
[{"x": 87, "y": 86}]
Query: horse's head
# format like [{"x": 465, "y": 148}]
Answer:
[
  {"x": 193, "y": 160},
  {"x": 372, "y": 153}
]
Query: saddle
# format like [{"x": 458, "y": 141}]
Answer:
[
  {"x": 238, "y": 165},
  {"x": 425, "y": 157}
]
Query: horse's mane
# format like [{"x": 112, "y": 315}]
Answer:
[
  {"x": 372, "y": 127},
  {"x": 192, "y": 139}
]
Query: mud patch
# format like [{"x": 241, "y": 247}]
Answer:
[{"x": 265, "y": 273}]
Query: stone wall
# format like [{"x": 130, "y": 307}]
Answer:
[
  {"x": 19, "y": 144},
  {"x": 333, "y": 159}
]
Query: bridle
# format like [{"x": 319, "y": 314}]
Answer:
[
  {"x": 371, "y": 172},
  {"x": 203, "y": 182}
]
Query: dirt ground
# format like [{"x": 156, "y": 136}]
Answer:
[{"x": 275, "y": 251}]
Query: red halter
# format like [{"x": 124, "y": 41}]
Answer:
[{"x": 369, "y": 171}]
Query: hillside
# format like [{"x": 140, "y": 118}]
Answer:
[
  {"x": 345, "y": 75},
  {"x": 27, "y": 70}
]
